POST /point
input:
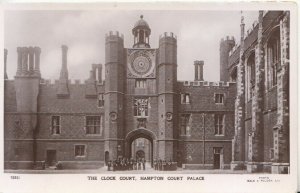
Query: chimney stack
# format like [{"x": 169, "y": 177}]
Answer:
[
  {"x": 199, "y": 70},
  {"x": 63, "y": 89},
  {"x": 31, "y": 60},
  {"x": 37, "y": 53},
  {"x": 64, "y": 69},
  {"x": 5, "y": 60}
]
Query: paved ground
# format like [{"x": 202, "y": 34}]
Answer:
[{"x": 103, "y": 170}]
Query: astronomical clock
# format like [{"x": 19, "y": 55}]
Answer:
[{"x": 141, "y": 63}]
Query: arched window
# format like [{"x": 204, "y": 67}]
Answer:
[
  {"x": 233, "y": 75},
  {"x": 141, "y": 36},
  {"x": 273, "y": 58},
  {"x": 250, "y": 76}
]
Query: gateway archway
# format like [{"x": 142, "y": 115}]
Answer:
[{"x": 140, "y": 134}]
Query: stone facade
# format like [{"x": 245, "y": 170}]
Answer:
[
  {"x": 198, "y": 124},
  {"x": 262, "y": 110}
]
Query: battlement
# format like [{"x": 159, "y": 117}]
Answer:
[
  {"x": 227, "y": 38},
  {"x": 206, "y": 83},
  {"x": 114, "y": 34},
  {"x": 250, "y": 30},
  {"x": 234, "y": 48},
  {"x": 166, "y": 34},
  {"x": 51, "y": 82}
]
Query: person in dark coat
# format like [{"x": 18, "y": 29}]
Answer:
[
  {"x": 144, "y": 164},
  {"x": 109, "y": 165}
]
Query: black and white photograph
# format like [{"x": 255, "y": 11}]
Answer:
[{"x": 147, "y": 91}]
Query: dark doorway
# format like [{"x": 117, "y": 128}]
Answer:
[
  {"x": 140, "y": 139},
  {"x": 142, "y": 148},
  {"x": 51, "y": 157},
  {"x": 140, "y": 154},
  {"x": 106, "y": 157},
  {"x": 217, "y": 157}
]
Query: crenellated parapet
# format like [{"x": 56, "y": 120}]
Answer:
[
  {"x": 113, "y": 34},
  {"x": 28, "y": 61},
  {"x": 71, "y": 82},
  {"x": 206, "y": 84},
  {"x": 167, "y": 35}
]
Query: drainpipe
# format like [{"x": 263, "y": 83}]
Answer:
[{"x": 203, "y": 120}]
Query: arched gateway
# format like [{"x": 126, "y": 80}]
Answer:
[{"x": 140, "y": 133}]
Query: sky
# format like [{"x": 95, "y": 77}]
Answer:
[{"x": 198, "y": 36}]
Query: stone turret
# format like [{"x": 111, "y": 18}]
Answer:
[
  {"x": 226, "y": 45},
  {"x": 63, "y": 89},
  {"x": 114, "y": 95},
  {"x": 282, "y": 129},
  {"x": 167, "y": 78},
  {"x": 238, "y": 143},
  {"x": 255, "y": 141}
]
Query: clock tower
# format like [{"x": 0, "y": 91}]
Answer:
[{"x": 140, "y": 94}]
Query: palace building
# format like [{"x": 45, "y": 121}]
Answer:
[{"x": 140, "y": 109}]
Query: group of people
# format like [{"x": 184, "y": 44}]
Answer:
[
  {"x": 122, "y": 164},
  {"x": 164, "y": 165}
]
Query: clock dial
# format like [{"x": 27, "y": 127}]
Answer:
[{"x": 140, "y": 63}]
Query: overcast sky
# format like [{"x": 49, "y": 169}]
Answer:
[{"x": 198, "y": 37}]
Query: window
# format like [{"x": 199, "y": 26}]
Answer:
[
  {"x": 79, "y": 150},
  {"x": 185, "y": 98},
  {"x": 250, "y": 76},
  {"x": 218, "y": 150},
  {"x": 141, "y": 107},
  {"x": 140, "y": 142},
  {"x": 55, "y": 125},
  {"x": 219, "y": 124},
  {"x": 219, "y": 98},
  {"x": 93, "y": 124},
  {"x": 140, "y": 83},
  {"x": 100, "y": 100},
  {"x": 185, "y": 124},
  {"x": 273, "y": 58}
]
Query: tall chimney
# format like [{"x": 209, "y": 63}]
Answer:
[
  {"x": 19, "y": 69},
  {"x": 24, "y": 61},
  {"x": 37, "y": 52},
  {"x": 100, "y": 73},
  {"x": 31, "y": 59},
  {"x": 64, "y": 69},
  {"x": 199, "y": 70},
  {"x": 5, "y": 60},
  {"x": 63, "y": 89}
]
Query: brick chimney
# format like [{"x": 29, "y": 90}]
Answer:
[
  {"x": 63, "y": 90},
  {"x": 199, "y": 70},
  {"x": 5, "y": 60}
]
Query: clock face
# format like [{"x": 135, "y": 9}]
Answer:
[{"x": 140, "y": 64}]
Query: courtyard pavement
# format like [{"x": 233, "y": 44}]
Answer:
[{"x": 148, "y": 170}]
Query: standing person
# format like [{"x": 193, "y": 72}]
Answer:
[
  {"x": 114, "y": 165},
  {"x": 134, "y": 164},
  {"x": 109, "y": 165},
  {"x": 139, "y": 164},
  {"x": 155, "y": 164},
  {"x": 144, "y": 164}
]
